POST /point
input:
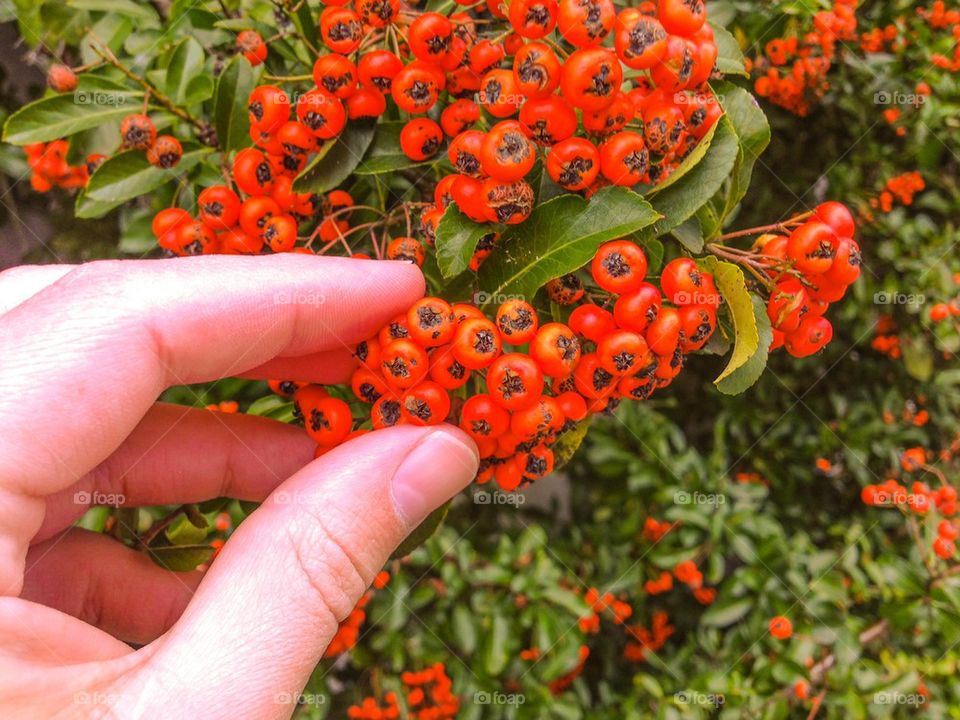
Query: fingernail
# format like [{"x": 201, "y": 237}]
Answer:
[{"x": 435, "y": 470}]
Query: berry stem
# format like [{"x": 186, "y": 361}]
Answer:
[
  {"x": 107, "y": 54},
  {"x": 783, "y": 227}
]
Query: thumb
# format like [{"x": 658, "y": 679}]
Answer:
[{"x": 272, "y": 601}]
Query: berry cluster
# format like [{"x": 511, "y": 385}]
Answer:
[
  {"x": 920, "y": 499},
  {"x": 49, "y": 167},
  {"x": 670, "y": 105},
  {"x": 428, "y": 696},
  {"x": 825, "y": 260},
  {"x": 793, "y": 71},
  {"x": 137, "y": 132},
  {"x": 410, "y": 368}
]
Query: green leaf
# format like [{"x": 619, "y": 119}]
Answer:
[
  {"x": 917, "y": 357},
  {"x": 306, "y": 24},
  {"x": 140, "y": 11},
  {"x": 748, "y": 373},
  {"x": 129, "y": 175},
  {"x": 231, "y": 119},
  {"x": 181, "y": 558},
  {"x": 753, "y": 135},
  {"x": 385, "y": 155},
  {"x": 691, "y": 160},
  {"x": 186, "y": 64},
  {"x": 726, "y": 612},
  {"x": 681, "y": 200},
  {"x": 689, "y": 234},
  {"x": 60, "y": 116},
  {"x": 422, "y": 532},
  {"x": 560, "y": 236},
  {"x": 337, "y": 160},
  {"x": 729, "y": 55},
  {"x": 464, "y": 630},
  {"x": 496, "y": 656},
  {"x": 733, "y": 287},
  {"x": 457, "y": 238},
  {"x": 183, "y": 532}
]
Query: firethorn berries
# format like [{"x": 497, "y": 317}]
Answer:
[
  {"x": 619, "y": 266},
  {"x": 514, "y": 381},
  {"x": 624, "y": 158},
  {"x": 61, "y": 78},
  {"x": 517, "y": 322},
  {"x": 420, "y": 139},
  {"x": 506, "y": 153},
  {"x": 591, "y": 321},
  {"x": 404, "y": 363},
  {"x": 219, "y": 207},
  {"x": 781, "y": 628},
  {"x": 252, "y": 46},
  {"x": 812, "y": 247},
  {"x": 476, "y": 343},
  {"x": 483, "y": 418},
  {"x": 322, "y": 113},
  {"x": 536, "y": 70},
  {"x": 426, "y": 404},
  {"x": 268, "y": 108},
  {"x": 681, "y": 17},
  {"x": 556, "y": 349},
  {"x": 137, "y": 132},
  {"x": 165, "y": 152},
  {"x": 573, "y": 163},
  {"x": 590, "y": 78},
  {"x": 327, "y": 419},
  {"x": 640, "y": 40},
  {"x": 252, "y": 173},
  {"x": 406, "y": 248},
  {"x": 430, "y": 322},
  {"x": 683, "y": 283},
  {"x": 565, "y": 290}
]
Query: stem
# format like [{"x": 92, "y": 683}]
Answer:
[
  {"x": 288, "y": 78},
  {"x": 783, "y": 227},
  {"x": 162, "y": 99}
]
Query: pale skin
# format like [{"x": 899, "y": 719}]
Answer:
[{"x": 84, "y": 353}]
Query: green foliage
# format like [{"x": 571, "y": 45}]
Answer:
[{"x": 772, "y": 530}]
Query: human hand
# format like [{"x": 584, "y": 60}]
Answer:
[{"x": 85, "y": 353}]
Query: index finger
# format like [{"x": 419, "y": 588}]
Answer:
[{"x": 86, "y": 357}]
